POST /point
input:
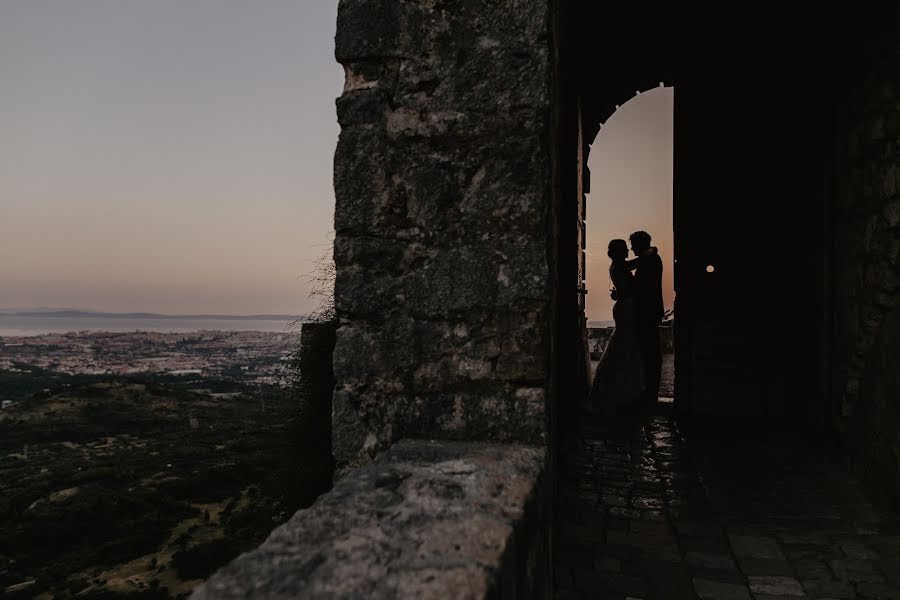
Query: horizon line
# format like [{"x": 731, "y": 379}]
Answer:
[{"x": 72, "y": 312}]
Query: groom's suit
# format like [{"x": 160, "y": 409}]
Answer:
[{"x": 649, "y": 304}]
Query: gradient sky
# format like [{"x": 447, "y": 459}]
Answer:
[
  {"x": 176, "y": 156},
  {"x": 631, "y": 190},
  {"x": 165, "y": 155}
]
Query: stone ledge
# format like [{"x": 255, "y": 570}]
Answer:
[{"x": 424, "y": 520}]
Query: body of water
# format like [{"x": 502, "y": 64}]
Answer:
[
  {"x": 601, "y": 323},
  {"x": 17, "y": 325}
]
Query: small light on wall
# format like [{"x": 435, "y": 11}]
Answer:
[{"x": 710, "y": 268}]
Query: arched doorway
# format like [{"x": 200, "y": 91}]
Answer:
[{"x": 630, "y": 189}]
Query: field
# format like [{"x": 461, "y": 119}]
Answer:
[{"x": 122, "y": 488}]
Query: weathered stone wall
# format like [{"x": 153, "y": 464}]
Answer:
[
  {"x": 867, "y": 278},
  {"x": 428, "y": 520},
  {"x": 598, "y": 338},
  {"x": 443, "y": 232}
]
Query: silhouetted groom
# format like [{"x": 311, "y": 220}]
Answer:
[{"x": 649, "y": 309}]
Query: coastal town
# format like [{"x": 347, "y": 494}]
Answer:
[
  {"x": 241, "y": 357},
  {"x": 135, "y": 464}
]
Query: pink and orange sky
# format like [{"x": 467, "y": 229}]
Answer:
[
  {"x": 176, "y": 157},
  {"x": 164, "y": 155},
  {"x": 631, "y": 190}
]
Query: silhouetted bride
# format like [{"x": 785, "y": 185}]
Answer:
[{"x": 619, "y": 379}]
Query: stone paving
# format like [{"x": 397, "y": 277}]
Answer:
[{"x": 653, "y": 510}]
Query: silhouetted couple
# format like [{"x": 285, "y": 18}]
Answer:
[{"x": 628, "y": 375}]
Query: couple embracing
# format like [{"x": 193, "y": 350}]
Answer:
[{"x": 628, "y": 374}]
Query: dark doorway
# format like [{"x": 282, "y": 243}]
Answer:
[
  {"x": 785, "y": 153},
  {"x": 752, "y": 187}
]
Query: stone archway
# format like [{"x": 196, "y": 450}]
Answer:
[
  {"x": 722, "y": 204},
  {"x": 628, "y": 48},
  {"x": 629, "y": 167}
]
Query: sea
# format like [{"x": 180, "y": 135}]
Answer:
[
  {"x": 20, "y": 325},
  {"x": 17, "y": 325},
  {"x": 601, "y": 323}
]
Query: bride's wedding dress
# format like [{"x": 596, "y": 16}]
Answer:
[{"x": 619, "y": 380}]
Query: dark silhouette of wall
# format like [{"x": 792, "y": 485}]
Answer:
[
  {"x": 444, "y": 287},
  {"x": 785, "y": 183},
  {"x": 865, "y": 382},
  {"x": 460, "y": 178}
]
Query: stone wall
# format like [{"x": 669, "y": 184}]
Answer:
[
  {"x": 444, "y": 296},
  {"x": 867, "y": 278},
  {"x": 443, "y": 228},
  {"x": 426, "y": 520},
  {"x": 598, "y": 337}
]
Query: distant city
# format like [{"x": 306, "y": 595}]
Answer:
[
  {"x": 31, "y": 322},
  {"x": 197, "y": 420},
  {"x": 232, "y": 359}
]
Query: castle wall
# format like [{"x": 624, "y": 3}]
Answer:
[
  {"x": 866, "y": 375},
  {"x": 451, "y": 180},
  {"x": 443, "y": 220}
]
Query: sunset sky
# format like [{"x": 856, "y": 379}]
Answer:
[
  {"x": 165, "y": 155},
  {"x": 176, "y": 156}
]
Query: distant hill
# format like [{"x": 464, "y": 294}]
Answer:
[
  {"x": 601, "y": 323},
  {"x": 116, "y": 486},
  {"x": 69, "y": 313}
]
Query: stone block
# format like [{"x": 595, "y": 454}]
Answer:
[
  {"x": 362, "y": 106},
  {"x": 812, "y": 569},
  {"x": 442, "y": 178},
  {"x": 756, "y": 547},
  {"x": 716, "y": 590},
  {"x": 817, "y": 588},
  {"x": 891, "y": 213},
  {"x": 366, "y": 29},
  {"x": 857, "y": 549},
  {"x": 706, "y": 561},
  {"x": 594, "y": 583},
  {"x": 878, "y": 591},
  {"x": 775, "y": 586},
  {"x": 424, "y": 520},
  {"x": 763, "y": 566},
  {"x": 360, "y": 180},
  {"x": 348, "y": 431},
  {"x": 857, "y": 571}
]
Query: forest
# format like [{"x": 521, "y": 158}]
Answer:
[{"x": 127, "y": 488}]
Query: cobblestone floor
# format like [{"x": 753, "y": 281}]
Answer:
[{"x": 654, "y": 511}]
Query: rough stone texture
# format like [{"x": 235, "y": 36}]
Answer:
[
  {"x": 442, "y": 219},
  {"x": 598, "y": 337},
  {"x": 424, "y": 520},
  {"x": 661, "y": 510},
  {"x": 867, "y": 279}
]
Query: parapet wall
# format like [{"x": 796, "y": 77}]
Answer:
[
  {"x": 425, "y": 520},
  {"x": 442, "y": 219}
]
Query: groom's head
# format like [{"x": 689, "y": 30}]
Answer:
[{"x": 640, "y": 241}]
